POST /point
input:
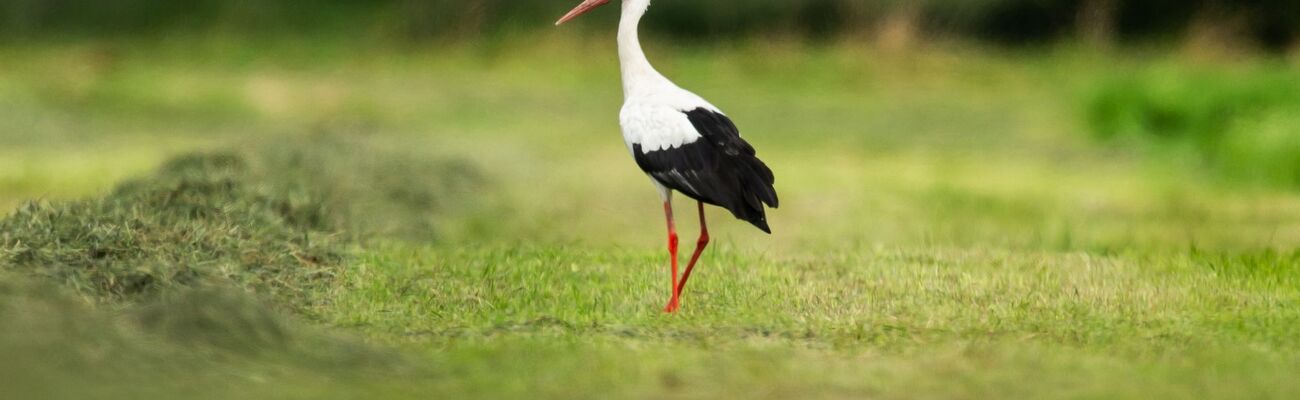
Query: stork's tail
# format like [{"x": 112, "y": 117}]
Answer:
[{"x": 757, "y": 191}]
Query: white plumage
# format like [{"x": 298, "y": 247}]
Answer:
[
  {"x": 656, "y": 127},
  {"x": 654, "y": 107}
]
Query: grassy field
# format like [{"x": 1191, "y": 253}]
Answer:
[{"x": 948, "y": 230}]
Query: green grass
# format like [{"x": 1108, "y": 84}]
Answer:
[{"x": 948, "y": 231}]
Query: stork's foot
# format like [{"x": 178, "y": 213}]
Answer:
[{"x": 673, "y": 305}]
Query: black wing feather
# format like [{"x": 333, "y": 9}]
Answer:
[{"x": 720, "y": 169}]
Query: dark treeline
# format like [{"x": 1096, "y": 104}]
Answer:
[{"x": 1272, "y": 24}]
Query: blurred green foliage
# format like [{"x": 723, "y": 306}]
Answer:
[
  {"x": 1271, "y": 22},
  {"x": 1241, "y": 123}
]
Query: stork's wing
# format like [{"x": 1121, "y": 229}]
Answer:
[{"x": 719, "y": 168}]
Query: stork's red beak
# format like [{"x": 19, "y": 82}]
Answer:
[{"x": 586, "y": 5}]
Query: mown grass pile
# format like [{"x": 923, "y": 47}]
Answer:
[
  {"x": 199, "y": 220},
  {"x": 275, "y": 219},
  {"x": 196, "y": 264}
]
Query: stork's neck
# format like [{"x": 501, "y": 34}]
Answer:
[{"x": 638, "y": 74}]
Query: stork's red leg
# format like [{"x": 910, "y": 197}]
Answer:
[
  {"x": 699, "y": 248},
  {"x": 672, "y": 251}
]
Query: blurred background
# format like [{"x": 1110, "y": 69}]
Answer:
[
  {"x": 1263, "y": 24},
  {"x": 148, "y": 146},
  {"x": 1173, "y": 96}
]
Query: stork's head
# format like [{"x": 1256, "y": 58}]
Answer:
[{"x": 587, "y": 5}]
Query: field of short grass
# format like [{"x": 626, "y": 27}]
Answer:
[{"x": 464, "y": 222}]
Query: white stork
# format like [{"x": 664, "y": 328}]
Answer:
[{"x": 683, "y": 143}]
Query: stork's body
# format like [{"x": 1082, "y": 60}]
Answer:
[{"x": 684, "y": 144}]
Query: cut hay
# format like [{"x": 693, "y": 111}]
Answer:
[{"x": 276, "y": 219}]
